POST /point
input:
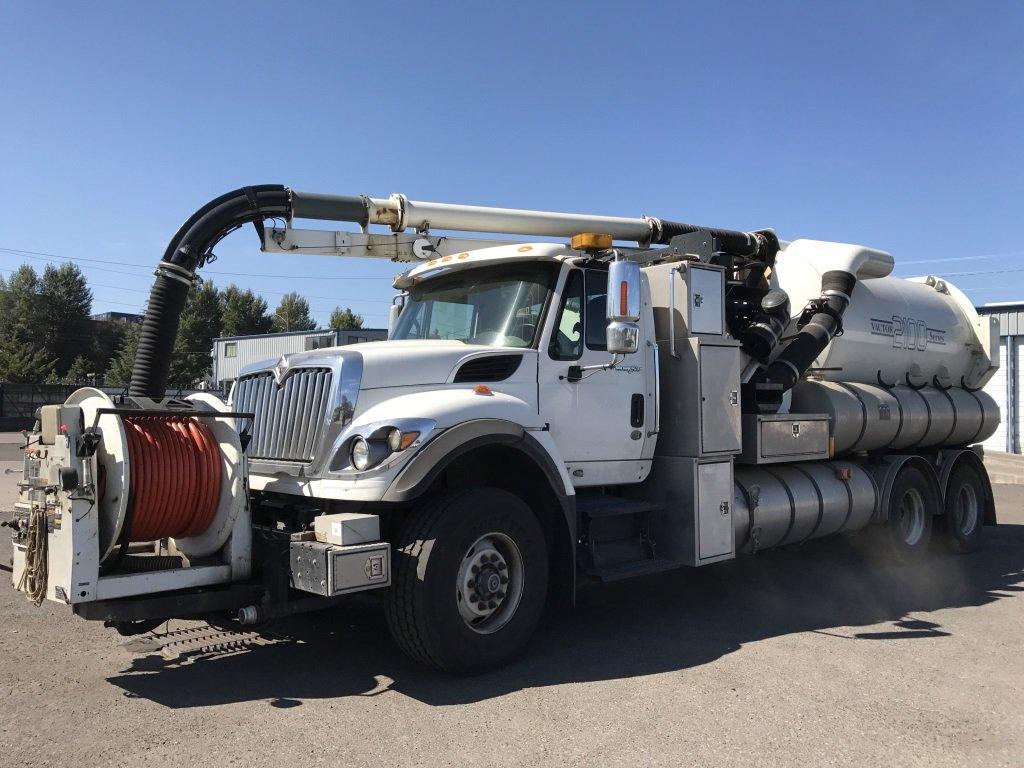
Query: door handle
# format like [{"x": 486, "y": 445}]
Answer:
[{"x": 636, "y": 410}]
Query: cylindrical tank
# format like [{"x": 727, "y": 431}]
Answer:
[
  {"x": 784, "y": 504},
  {"x": 920, "y": 330},
  {"x": 865, "y": 417}
]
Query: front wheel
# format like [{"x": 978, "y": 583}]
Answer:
[{"x": 470, "y": 577}]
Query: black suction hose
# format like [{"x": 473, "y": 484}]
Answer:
[
  {"x": 188, "y": 250},
  {"x": 825, "y": 322}
]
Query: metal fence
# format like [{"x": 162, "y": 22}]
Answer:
[{"x": 18, "y": 402}]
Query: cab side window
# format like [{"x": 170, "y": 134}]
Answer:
[
  {"x": 595, "y": 315},
  {"x": 567, "y": 340}
]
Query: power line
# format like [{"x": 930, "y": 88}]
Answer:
[
  {"x": 966, "y": 258},
  {"x": 980, "y": 272},
  {"x": 44, "y": 256},
  {"x": 274, "y": 293},
  {"x": 984, "y": 272}
]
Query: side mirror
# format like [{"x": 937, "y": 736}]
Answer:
[
  {"x": 397, "y": 305},
  {"x": 623, "y": 334}
]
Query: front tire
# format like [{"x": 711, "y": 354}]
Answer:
[{"x": 469, "y": 580}]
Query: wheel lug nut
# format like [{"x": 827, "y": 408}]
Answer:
[
  {"x": 481, "y": 607},
  {"x": 475, "y": 569},
  {"x": 504, "y": 579},
  {"x": 492, "y": 604},
  {"x": 502, "y": 566},
  {"x": 471, "y": 584}
]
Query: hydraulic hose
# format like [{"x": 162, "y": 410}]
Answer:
[
  {"x": 824, "y": 323},
  {"x": 175, "y": 477},
  {"x": 188, "y": 250},
  {"x": 760, "y": 245}
]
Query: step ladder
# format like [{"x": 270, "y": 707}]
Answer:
[{"x": 615, "y": 541}]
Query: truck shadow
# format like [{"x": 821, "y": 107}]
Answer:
[{"x": 669, "y": 622}]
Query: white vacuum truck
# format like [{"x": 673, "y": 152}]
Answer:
[{"x": 632, "y": 396}]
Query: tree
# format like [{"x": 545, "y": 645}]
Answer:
[
  {"x": 23, "y": 318},
  {"x": 65, "y": 323},
  {"x": 243, "y": 313},
  {"x": 199, "y": 325},
  {"x": 345, "y": 319},
  {"x": 119, "y": 373},
  {"x": 292, "y": 314},
  {"x": 107, "y": 340},
  {"x": 22, "y": 362},
  {"x": 6, "y": 300},
  {"x": 79, "y": 370}
]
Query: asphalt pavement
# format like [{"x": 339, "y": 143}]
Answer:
[{"x": 807, "y": 656}]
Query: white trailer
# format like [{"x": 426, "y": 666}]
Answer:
[{"x": 634, "y": 396}]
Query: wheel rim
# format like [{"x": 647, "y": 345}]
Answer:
[
  {"x": 490, "y": 583},
  {"x": 912, "y": 517},
  {"x": 965, "y": 510}
]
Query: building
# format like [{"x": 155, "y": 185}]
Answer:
[
  {"x": 232, "y": 353},
  {"x": 117, "y": 317},
  {"x": 1005, "y": 385}
]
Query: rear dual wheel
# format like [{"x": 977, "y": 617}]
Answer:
[
  {"x": 469, "y": 581},
  {"x": 961, "y": 526},
  {"x": 917, "y": 514},
  {"x": 913, "y": 502}
]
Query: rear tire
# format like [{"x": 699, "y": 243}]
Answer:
[
  {"x": 913, "y": 503},
  {"x": 961, "y": 526},
  {"x": 470, "y": 577}
]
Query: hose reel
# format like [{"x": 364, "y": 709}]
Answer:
[{"x": 170, "y": 469}]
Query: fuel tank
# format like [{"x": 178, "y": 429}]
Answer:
[
  {"x": 790, "y": 503},
  {"x": 915, "y": 331}
]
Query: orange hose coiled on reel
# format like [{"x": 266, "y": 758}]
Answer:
[{"x": 175, "y": 476}]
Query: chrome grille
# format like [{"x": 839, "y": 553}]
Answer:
[{"x": 289, "y": 420}]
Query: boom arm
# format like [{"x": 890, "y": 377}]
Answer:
[
  {"x": 192, "y": 245},
  {"x": 367, "y": 245}
]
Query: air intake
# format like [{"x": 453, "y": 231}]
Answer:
[{"x": 489, "y": 368}]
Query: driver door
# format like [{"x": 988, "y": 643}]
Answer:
[{"x": 600, "y": 422}]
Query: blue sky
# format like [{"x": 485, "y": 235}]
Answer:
[{"x": 897, "y": 125}]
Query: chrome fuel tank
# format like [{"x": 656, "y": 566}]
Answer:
[{"x": 790, "y": 503}]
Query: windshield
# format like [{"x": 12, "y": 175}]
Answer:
[{"x": 499, "y": 305}]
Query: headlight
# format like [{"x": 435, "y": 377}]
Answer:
[
  {"x": 399, "y": 440},
  {"x": 366, "y": 447},
  {"x": 395, "y": 439},
  {"x": 360, "y": 454}
]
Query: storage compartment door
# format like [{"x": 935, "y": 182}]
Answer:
[
  {"x": 794, "y": 437},
  {"x": 720, "y": 399},
  {"x": 707, "y": 288},
  {"x": 714, "y": 510}
]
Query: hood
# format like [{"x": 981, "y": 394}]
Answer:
[{"x": 408, "y": 363}]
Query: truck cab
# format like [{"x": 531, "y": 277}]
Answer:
[{"x": 493, "y": 334}]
